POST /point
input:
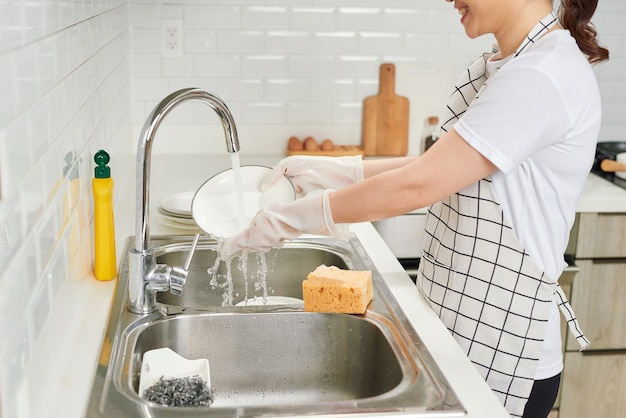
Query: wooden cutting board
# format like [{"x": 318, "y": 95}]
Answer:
[{"x": 385, "y": 130}]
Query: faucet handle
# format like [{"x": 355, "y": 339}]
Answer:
[{"x": 178, "y": 276}]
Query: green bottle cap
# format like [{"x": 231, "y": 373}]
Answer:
[{"x": 102, "y": 159}]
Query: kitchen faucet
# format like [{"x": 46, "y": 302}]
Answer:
[{"x": 146, "y": 277}]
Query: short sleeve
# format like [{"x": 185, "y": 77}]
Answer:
[{"x": 519, "y": 112}]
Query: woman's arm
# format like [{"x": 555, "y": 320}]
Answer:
[
  {"x": 450, "y": 165},
  {"x": 377, "y": 166}
]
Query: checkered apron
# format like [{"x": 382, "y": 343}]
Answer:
[{"x": 479, "y": 279}]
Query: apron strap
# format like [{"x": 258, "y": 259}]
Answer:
[{"x": 572, "y": 322}]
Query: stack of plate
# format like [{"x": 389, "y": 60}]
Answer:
[{"x": 175, "y": 211}]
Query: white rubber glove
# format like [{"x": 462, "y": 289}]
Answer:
[
  {"x": 271, "y": 227},
  {"x": 309, "y": 173}
]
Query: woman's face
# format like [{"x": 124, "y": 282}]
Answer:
[{"x": 480, "y": 17}]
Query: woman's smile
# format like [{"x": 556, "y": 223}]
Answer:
[{"x": 463, "y": 10}]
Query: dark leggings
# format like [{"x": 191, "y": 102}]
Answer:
[{"x": 542, "y": 397}]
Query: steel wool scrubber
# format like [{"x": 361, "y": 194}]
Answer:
[{"x": 169, "y": 379}]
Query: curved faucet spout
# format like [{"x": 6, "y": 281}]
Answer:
[
  {"x": 145, "y": 275},
  {"x": 146, "y": 139}
]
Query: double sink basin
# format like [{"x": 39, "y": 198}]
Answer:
[{"x": 271, "y": 359}]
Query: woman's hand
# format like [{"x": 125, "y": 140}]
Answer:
[
  {"x": 271, "y": 227},
  {"x": 310, "y": 173}
]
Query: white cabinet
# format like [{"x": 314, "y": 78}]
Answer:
[{"x": 403, "y": 234}]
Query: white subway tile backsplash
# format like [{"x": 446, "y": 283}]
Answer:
[
  {"x": 313, "y": 18},
  {"x": 146, "y": 16},
  {"x": 287, "y": 89},
  {"x": 146, "y": 65},
  {"x": 288, "y": 42},
  {"x": 347, "y": 113},
  {"x": 360, "y": 18},
  {"x": 200, "y": 41},
  {"x": 18, "y": 161},
  {"x": 56, "y": 270},
  {"x": 426, "y": 45},
  {"x": 149, "y": 88},
  {"x": 358, "y": 66},
  {"x": 175, "y": 84},
  {"x": 264, "y": 66},
  {"x": 335, "y": 42},
  {"x": 380, "y": 43},
  {"x": 62, "y": 76},
  {"x": 264, "y": 17},
  {"x": 147, "y": 41},
  {"x": 263, "y": 113},
  {"x": 239, "y": 41},
  {"x": 240, "y": 89},
  {"x": 333, "y": 89},
  {"x": 177, "y": 67},
  {"x": 322, "y": 65},
  {"x": 38, "y": 311},
  {"x": 309, "y": 113},
  {"x": 219, "y": 65},
  {"x": 403, "y": 19},
  {"x": 213, "y": 17},
  {"x": 8, "y": 88}
]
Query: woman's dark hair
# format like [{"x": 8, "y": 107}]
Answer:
[{"x": 575, "y": 16}]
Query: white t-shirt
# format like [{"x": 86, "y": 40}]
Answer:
[{"x": 538, "y": 121}]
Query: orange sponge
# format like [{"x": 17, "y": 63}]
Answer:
[{"x": 333, "y": 290}]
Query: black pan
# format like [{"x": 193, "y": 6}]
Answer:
[{"x": 607, "y": 150}]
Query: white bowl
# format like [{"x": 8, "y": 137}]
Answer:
[{"x": 216, "y": 206}]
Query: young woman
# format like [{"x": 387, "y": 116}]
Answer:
[{"x": 502, "y": 184}]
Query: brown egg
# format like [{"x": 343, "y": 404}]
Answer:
[
  {"x": 327, "y": 145},
  {"x": 310, "y": 144},
  {"x": 294, "y": 144}
]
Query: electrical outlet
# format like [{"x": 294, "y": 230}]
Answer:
[{"x": 172, "y": 37}]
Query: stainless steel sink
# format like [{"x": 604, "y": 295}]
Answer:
[
  {"x": 287, "y": 268},
  {"x": 273, "y": 360},
  {"x": 279, "y": 359}
]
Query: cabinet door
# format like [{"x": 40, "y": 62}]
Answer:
[
  {"x": 601, "y": 235},
  {"x": 593, "y": 385},
  {"x": 598, "y": 295}
]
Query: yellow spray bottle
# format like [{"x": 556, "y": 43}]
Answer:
[{"x": 105, "y": 263}]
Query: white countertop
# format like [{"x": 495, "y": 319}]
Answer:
[
  {"x": 64, "y": 367},
  {"x": 600, "y": 195}
]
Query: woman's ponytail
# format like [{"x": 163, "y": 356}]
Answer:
[{"x": 575, "y": 16}]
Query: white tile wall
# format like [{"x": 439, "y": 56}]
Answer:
[
  {"x": 64, "y": 88},
  {"x": 288, "y": 63},
  {"x": 302, "y": 63},
  {"x": 283, "y": 66}
]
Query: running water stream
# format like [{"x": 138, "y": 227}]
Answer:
[
  {"x": 261, "y": 263},
  {"x": 236, "y": 166}
]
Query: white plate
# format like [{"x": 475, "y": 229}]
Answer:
[
  {"x": 177, "y": 219},
  {"x": 169, "y": 364},
  {"x": 271, "y": 300},
  {"x": 173, "y": 223},
  {"x": 174, "y": 215},
  {"x": 178, "y": 203},
  {"x": 216, "y": 207}
]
